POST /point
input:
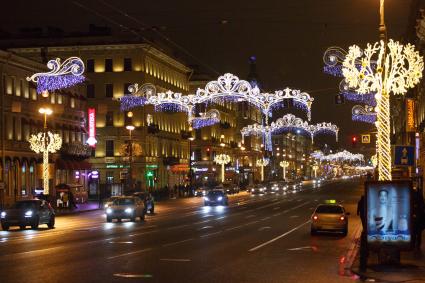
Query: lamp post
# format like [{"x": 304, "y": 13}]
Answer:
[
  {"x": 191, "y": 139},
  {"x": 130, "y": 128},
  {"x": 222, "y": 159},
  {"x": 284, "y": 164},
  {"x": 261, "y": 163},
  {"x": 45, "y": 142},
  {"x": 315, "y": 167}
]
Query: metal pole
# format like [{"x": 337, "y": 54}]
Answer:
[
  {"x": 130, "y": 173},
  {"x": 190, "y": 164}
]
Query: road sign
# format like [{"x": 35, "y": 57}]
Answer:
[
  {"x": 404, "y": 155},
  {"x": 366, "y": 138}
]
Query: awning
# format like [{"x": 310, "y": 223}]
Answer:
[{"x": 72, "y": 165}]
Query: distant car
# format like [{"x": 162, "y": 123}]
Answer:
[
  {"x": 215, "y": 197},
  {"x": 126, "y": 208},
  {"x": 200, "y": 192},
  {"x": 283, "y": 185},
  {"x": 329, "y": 217},
  {"x": 230, "y": 189},
  {"x": 109, "y": 201},
  {"x": 317, "y": 181},
  {"x": 258, "y": 189},
  {"x": 148, "y": 201},
  {"x": 28, "y": 213},
  {"x": 273, "y": 187}
]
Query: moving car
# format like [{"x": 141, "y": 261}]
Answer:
[
  {"x": 126, "y": 208},
  {"x": 329, "y": 217},
  {"x": 148, "y": 201},
  {"x": 258, "y": 189},
  {"x": 28, "y": 213},
  {"x": 230, "y": 189},
  {"x": 200, "y": 192},
  {"x": 273, "y": 187},
  {"x": 109, "y": 201},
  {"x": 216, "y": 197}
]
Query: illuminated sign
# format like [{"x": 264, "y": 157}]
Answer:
[
  {"x": 115, "y": 166},
  {"x": 410, "y": 115},
  {"x": 77, "y": 174},
  {"x": 94, "y": 174},
  {"x": 388, "y": 213},
  {"x": 92, "y": 127}
]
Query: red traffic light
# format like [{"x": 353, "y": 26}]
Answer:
[
  {"x": 354, "y": 139},
  {"x": 208, "y": 149}
]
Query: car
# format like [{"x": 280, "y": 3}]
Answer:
[
  {"x": 273, "y": 187},
  {"x": 283, "y": 185},
  {"x": 329, "y": 217},
  {"x": 230, "y": 189},
  {"x": 200, "y": 192},
  {"x": 258, "y": 189},
  {"x": 109, "y": 201},
  {"x": 215, "y": 197},
  {"x": 148, "y": 201},
  {"x": 129, "y": 207},
  {"x": 28, "y": 213}
]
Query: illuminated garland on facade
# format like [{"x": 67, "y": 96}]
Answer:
[
  {"x": 61, "y": 75},
  {"x": 400, "y": 68}
]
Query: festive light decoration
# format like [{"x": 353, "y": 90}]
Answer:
[
  {"x": 289, "y": 122},
  {"x": 315, "y": 168},
  {"x": 262, "y": 162},
  {"x": 45, "y": 142},
  {"x": 61, "y": 75},
  {"x": 139, "y": 95},
  {"x": 374, "y": 160},
  {"x": 206, "y": 119},
  {"x": 399, "y": 68},
  {"x": 363, "y": 114},
  {"x": 222, "y": 159},
  {"x": 351, "y": 95},
  {"x": 284, "y": 164},
  {"x": 341, "y": 156}
]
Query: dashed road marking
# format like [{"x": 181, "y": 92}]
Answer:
[
  {"x": 130, "y": 253},
  {"x": 210, "y": 234},
  {"x": 264, "y": 228},
  {"x": 175, "y": 259},
  {"x": 176, "y": 243}
]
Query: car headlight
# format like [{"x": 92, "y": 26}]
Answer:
[
  {"x": 219, "y": 198},
  {"x": 108, "y": 211},
  {"x": 3, "y": 214},
  {"x": 128, "y": 210},
  {"x": 206, "y": 198},
  {"x": 252, "y": 190},
  {"x": 106, "y": 205},
  {"x": 28, "y": 213}
]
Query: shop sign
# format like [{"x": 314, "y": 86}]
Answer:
[
  {"x": 94, "y": 174},
  {"x": 92, "y": 127},
  {"x": 115, "y": 166},
  {"x": 410, "y": 115},
  {"x": 109, "y": 159}
]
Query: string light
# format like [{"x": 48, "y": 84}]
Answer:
[
  {"x": 363, "y": 114},
  {"x": 206, "y": 119},
  {"x": 338, "y": 157}
]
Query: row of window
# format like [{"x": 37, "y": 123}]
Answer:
[
  {"x": 128, "y": 66},
  {"x": 109, "y": 90}
]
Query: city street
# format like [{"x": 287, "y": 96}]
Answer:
[{"x": 255, "y": 239}]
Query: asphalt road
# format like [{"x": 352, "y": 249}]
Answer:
[{"x": 254, "y": 239}]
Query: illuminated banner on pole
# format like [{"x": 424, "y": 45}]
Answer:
[{"x": 92, "y": 127}]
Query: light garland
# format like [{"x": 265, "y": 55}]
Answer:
[
  {"x": 351, "y": 95},
  {"x": 338, "y": 157},
  {"x": 45, "y": 142},
  {"x": 222, "y": 159},
  {"x": 400, "y": 68},
  {"x": 284, "y": 164},
  {"x": 262, "y": 162},
  {"x": 139, "y": 95},
  {"x": 61, "y": 75},
  {"x": 209, "y": 118},
  {"x": 363, "y": 114}
]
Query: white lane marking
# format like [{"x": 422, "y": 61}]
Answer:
[
  {"x": 233, "y": 228},
  {"x": 264, "y": 228},
  {"x": 250, "y": 216},
  {"x": 176, "y": 243},
  {"x": 129, "y": 275},
  {"x": 201, "y": 222},
  {"x": 175, "y": 259},
  {"x": 205, "y": 227},
  {"x": 128, "y": 242},
  {"x": 302, "y": 248},
  {"x": 293, "y": 216},
  {"x": 210, "y": 234},
  {"x": 265, "y": 218},
  {"x": 278, "y": 237},
  {"x": 276, "y": 208},
  {"x": 277, "y": 214},
  {"x": 252, "y": 222},
  {"x": 130, "y": 253},
  {"x": 220, "y": 218}
]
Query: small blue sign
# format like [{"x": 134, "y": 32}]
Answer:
[{"x": 404, "y": 155}]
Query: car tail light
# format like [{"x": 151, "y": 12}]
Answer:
[
  {"x": 342, "y": 218},
  {"x": 315, "y": 217}
]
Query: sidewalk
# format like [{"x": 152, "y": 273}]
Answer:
[
  {"x": 82, "y": 207},
  {"x": 411, "y": 269}
]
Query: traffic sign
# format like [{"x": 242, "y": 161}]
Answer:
[
  {"x": 366, "y": 138},
  {"x": 404, "y": 155}
]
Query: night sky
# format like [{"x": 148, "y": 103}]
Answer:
[{"x": 288, "y": 37}]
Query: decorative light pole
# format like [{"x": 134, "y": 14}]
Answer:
[
  {"x": 394, "y": 68},
  {"x": 130, "y": 128},
  {"x": 191, "y": 139},
  {"x": 222, "y": 159},
  {"x": 262, "y": 163},
  {"x": 315, "y": 167},
  {"x": 45, "y": 142},
  {"x": 284, "y": 164}
]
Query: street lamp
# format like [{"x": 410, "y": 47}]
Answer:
[
  {"x": 222, "y": 159},
  {"x": 191, "y": 139},
  {"x": 130, "y": 128},
  {"x": 315, "y": 167},
  {"x": 261, "y": 163},
  {"x": 45, "y": 142},
  {"x": 284, "y": 164}
]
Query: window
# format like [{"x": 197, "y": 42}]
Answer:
[
  {"x": 128, "y": 120},
  {"x": 109, "y": 177},
  {"x": 90, "y": 91},
  {"x": 109, "y": 118},
  {"x": 126, "y": 91},
  {"x": 108, "y": 65},
  {"x": 109, "y": 90},
  {"x": 109, "y": 148},
  {"x": 90, "y": 66},
  {"x": 127, "y": 65}
]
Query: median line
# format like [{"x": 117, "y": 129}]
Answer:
[
  {"x": 130, "y": 253},
  {"x": 176, "y": 243},
  {"x": 278, "y": 237}
]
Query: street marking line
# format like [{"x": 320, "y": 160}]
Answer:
[
  {"x": 265, "y": 218},
  {"x": 304, "y": 248},
  {"x": 252, "y": 222},
  {"x": 278, "y": 237},
  {"x": 210, "y": 234},
  {"x": 128, "y": 242},
  {"x": 130, "y": 253},
  {"x": 293, "y": 216},
  {"x": 234, "y": 228},
  {"x": 205, "y": 227},
  {"x": 264, "y": 228},
  {"x": 175, "y": 259},
  {"x": 176, "y": 243},
  {"x": 277, "y": 214},
  {"x": 129, "y": 275}
]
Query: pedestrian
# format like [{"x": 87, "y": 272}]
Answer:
[
  {"x": 71, "y": 200},
  {"x": 361, "y": 211}
]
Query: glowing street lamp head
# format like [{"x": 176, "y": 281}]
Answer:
[
  {"x": 130, "y": 127},
  {"x": 45, "y": 111},
  {"x": 191, "y": 138}
]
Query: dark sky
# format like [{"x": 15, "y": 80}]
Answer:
[{"x": 288, "y": 37}]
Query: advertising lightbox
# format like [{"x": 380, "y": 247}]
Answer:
[{"x": 388, "y": 213}]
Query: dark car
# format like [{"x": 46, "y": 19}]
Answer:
[
  {"x": 28, "y": 213},
  {"x": 148, "y": 201},
  {"x": 216, "y": 197},
  {"x": 230, "y": 189}
]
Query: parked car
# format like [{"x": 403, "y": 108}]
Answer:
[
  {"x": 148, "y": 201},
  {"x": 126, "y": 208},
  {"x": 28, "y": 213},
  {"x": 109, "y": 201},
  {"x": 329, "y": 217},
  {"x": 216, "y": 197}
]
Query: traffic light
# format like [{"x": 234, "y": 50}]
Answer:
[
  {"x": 354, "y": 141},
  {"x": 339, "y": 99}
]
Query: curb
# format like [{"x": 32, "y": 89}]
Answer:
[{"x": 58, "y": 213}]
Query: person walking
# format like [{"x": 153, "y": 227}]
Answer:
[{"x": 361, "y": 211}]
